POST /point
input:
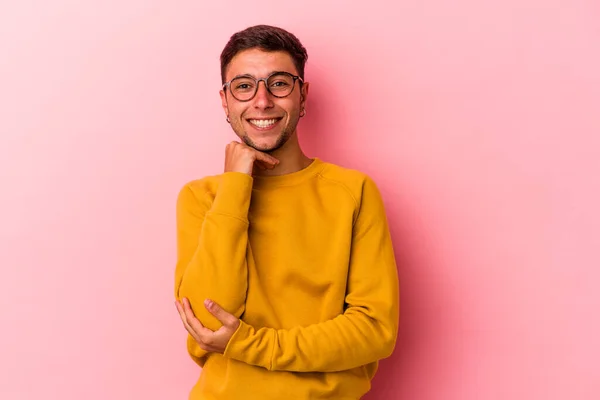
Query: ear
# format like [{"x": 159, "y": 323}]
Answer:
[
  {"x": 304, "y": 94},
  {"x": 224, "y": 102}
]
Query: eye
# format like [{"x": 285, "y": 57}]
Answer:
[
  {"x": 243, "y": 86},
  {"x": 280, "y": 84}
]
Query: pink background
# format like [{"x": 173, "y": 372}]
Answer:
[{"x": 478, "y": 120}]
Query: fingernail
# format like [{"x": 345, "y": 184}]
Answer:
[{"x": 208, "y": 303}]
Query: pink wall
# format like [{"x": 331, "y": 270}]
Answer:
[{"x": 479, "y": 121}]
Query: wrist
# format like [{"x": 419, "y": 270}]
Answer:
[
  {"x": 233, "y": 195},
  {"x": 233, "y": 347}
]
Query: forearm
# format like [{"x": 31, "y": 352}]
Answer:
[
  {"x": 217, "y": 269},
  {"x": 347, "y": 341}
]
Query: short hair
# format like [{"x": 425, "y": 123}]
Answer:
[{"x": 267, "y": 38}]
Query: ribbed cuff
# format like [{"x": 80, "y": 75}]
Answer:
[{"x": 236, "y": 347}]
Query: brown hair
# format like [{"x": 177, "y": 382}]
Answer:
[{"x": 267, "y": 38}]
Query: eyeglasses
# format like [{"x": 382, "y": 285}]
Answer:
[{"x": 278, "y": 84}]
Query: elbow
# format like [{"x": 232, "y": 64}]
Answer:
[
  {"x": 183, "y": 288},
  {"x": 387, "y": 347},
  {"x": 389, "y": 333},
  {"x": 387, "y": 341},
  {"x": 186, "y": 291},
  {"x": 233, "y": 303},
  {"x": 180, "y": 291}
]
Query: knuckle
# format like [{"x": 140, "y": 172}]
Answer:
[{"x": 203, "y": 346}]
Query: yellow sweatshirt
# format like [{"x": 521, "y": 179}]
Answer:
[{"x": 306, "y": 262}]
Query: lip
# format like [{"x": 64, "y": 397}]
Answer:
[{"x": 258, "y": 128}]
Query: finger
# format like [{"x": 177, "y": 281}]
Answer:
[
  {"x": 223, "y": 316},
  {"x": 184, "y": 319},
  {"x": 265, "y": 158},
  {"x": 194, "y": 322},
  {"x": 180, "y": 311},
  {"x": 197, "y": 338},
  {"x": 202, "y": 335},
  {"x": 263, "y": 165}
]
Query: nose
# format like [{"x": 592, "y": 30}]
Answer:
[{"x": 262, "y": 99}]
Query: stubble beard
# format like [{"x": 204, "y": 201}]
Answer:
[{"x": 282, "y": 139}]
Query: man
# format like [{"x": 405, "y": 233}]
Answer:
[{"x": 285, "y": 278}]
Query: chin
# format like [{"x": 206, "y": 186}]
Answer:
[{"x": 265, "y": 146}]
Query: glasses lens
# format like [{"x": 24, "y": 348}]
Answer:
[
  {"x": 243, "y": 88},
  {"x": 281, "y": 85}
]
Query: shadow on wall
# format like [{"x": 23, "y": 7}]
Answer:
[
  {"x": 423, "y": 306},
  {"x": 406, "y": 373},
  {"x": 321, "y": 130}
]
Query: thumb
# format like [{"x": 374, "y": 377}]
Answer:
[{"x": 219, "y": 313}]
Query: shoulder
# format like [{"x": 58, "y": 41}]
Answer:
[{"x": 355, "y": 182}]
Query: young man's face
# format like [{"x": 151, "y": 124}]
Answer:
[{"x": 265, "y": 122}]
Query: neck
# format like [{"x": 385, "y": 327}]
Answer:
[{"x": 291, "y": 159}]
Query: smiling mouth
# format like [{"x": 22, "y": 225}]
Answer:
[{"x": 263, "y": 123}]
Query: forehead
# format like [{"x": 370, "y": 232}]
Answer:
[{"x": 259, "y": 63}]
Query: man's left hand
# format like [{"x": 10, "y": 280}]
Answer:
[{"x": 211, "y": 341}]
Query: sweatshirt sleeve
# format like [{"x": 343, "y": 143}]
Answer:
[
  {"x": 212, "y": 240},
  {"x": 364, "y": 333}
]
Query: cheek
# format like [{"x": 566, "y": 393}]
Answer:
[
  {"x": 236, "y": 111},
  {"x": 292, "y": 107}
]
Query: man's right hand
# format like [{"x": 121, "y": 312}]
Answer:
[{"x": 241, "y": 158}]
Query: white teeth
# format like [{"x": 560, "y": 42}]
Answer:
[{"x": 263, "y": 123}]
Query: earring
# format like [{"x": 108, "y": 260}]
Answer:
[
  {"x": 303, "y": 112},
  {"x": 228, "y": 120}
]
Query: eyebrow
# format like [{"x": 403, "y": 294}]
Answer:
[{"x": 252, "y": 76}]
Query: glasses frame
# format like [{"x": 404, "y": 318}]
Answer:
[{"x": 257, "y": 82}]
